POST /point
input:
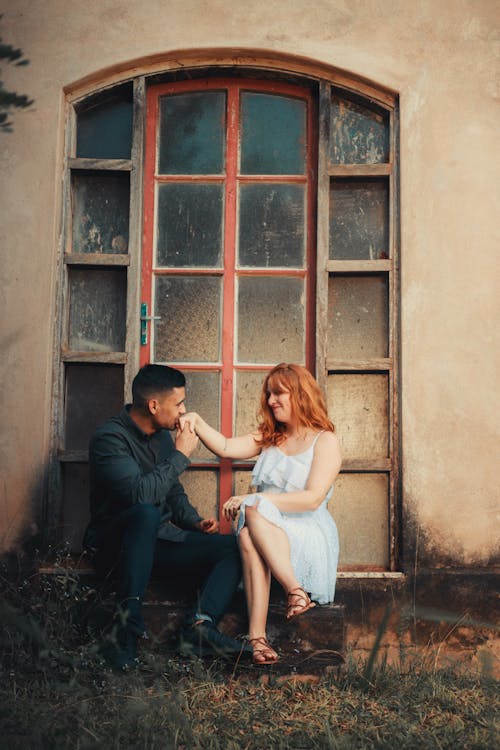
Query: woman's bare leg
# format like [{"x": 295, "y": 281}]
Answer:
[
  {"x": 257, "y": 581},
  {"x": 272, "y": 544}
]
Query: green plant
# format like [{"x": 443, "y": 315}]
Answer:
[
  {"x": 10, "y": 100},
  {"x": 56, "y": 693}
]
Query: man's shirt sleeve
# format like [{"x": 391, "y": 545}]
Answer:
[{"x": 117, "y": 474}]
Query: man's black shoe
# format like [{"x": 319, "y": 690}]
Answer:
[
  {"x": 203, "y": 639},
  {"x": 120, "y": 651}
]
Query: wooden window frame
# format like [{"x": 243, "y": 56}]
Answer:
[
  {"x": 328, "y": 172},
  {"x": 326, "y": 79}
]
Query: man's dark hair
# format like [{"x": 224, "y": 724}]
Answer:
[{"x": 154, "y": 379}]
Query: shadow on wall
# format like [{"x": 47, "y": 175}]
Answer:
[
  {"x": 426, "y": 548},
  {"x": 22, "y": 519}
]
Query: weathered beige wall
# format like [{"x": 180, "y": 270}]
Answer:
[{"x": 443, "y": 60}]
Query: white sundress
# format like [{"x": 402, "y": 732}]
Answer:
[{"x": 313, "y": 536}]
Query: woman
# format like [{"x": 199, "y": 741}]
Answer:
[{"x": 284, "y": 528}]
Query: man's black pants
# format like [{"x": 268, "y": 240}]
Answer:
[{"x": 129, "y": 547}]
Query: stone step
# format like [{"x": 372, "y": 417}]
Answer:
[{"x": 309, "y": 644}]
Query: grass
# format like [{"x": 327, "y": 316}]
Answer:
[{"x": 56, "y": 693}]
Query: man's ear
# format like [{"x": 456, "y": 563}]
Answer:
[{"x": 152, "y": 405}]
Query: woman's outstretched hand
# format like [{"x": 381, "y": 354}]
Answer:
[{"x": 189, "y": 419}]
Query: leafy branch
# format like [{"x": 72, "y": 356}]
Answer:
[{"x": 10, "y": 100}]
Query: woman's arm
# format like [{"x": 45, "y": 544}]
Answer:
[{"x": 246, "y": 446}]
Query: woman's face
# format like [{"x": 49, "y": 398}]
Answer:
[{"x": 280, "y": 404}]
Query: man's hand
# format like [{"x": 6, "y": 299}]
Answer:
[
  {"x": 185, "y": 440},
  {"x": 208, "y": 526}
]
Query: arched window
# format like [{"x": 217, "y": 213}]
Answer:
[{"x": 222, "y": 224}]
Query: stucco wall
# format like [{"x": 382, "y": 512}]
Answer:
[{"x": 441, "y": 58}]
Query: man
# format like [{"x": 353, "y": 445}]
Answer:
[{"x": 141, "y": 517}]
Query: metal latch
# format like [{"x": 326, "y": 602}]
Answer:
[{"x": 145, "y": 318}]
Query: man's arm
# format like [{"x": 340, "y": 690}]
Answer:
[{"x": 117, "y": 473}]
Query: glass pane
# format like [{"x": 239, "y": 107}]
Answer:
[
  {"x": 358, "y": 134},
  {"x": 359, "y": 407},
  {"x": 272, "y": 225},
  {"x": 202, "y": 489},
  {"x": 192, "y": 133},
  {"x": 273, "y": 137},
  {"x": 190, "y": 311},
  {"x": 104, "y": 129},
  {"x": 100, "y": 212},
  {"x": 359, "y": 219},
  {"x": 242, "y": 482},
  {"x": 93, "y": 394},
  {"x": 271, "y": 326},
  {"x": 248, "y": 387},
  {"x": 190, "y": 221},
  {"x": 75, "y": 506},
  {"x": 203, "y": 396},
  {"x": 97, "y": 309},
  {"x": 360, "y": 507},
  {"x": 358, "y": 317}
]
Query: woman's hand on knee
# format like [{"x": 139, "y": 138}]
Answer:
[{"x": 232, "y": 506}]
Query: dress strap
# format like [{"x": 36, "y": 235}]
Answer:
[{"x": 317, "y": 436}]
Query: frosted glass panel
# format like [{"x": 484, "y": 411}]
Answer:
[
  {"x": 94, "y": 393},
  {"x": 100, "y": 202},
  {"x": 201, "y": 487},
  {"x": 273, "y": 139},
  {"x": 203, "y": 396},
  {"x": 271, "y": 326},
  {"x": 359, "y": 407},
  {"x": 358, "y": 317},
  {"x": 360, "y": 507},
  {"x": 190, "y": 222},
  {"x": 242, "y": 482},
  {"x": 192, "y": 133},
  {"x": 358, "y": 135},
  {"x": 189, "y": 328},
  {"x": 104, "y": 129},
  {"x": 97, "y": 309},
  {"x": 272, "y": 226},
  {"x": 248, "y": 390},
  {"x": 359, "y": 219}
]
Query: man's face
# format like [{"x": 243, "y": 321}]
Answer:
[{"x": 166, "y": 409}]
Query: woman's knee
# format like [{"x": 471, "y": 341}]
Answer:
[
  {"x": 245, "y": 542},
  {"x": 251, "y": 515}
]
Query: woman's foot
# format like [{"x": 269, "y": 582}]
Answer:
[
  {"x": 262, "y": 651},
  {"x": 298, "y": 603}
]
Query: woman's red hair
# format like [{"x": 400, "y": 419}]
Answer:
[{"x": 308, "y": 404}]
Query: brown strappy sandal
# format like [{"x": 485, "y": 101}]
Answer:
[
  {"x": 296, "y": 608},
  {"x": 261, "y": 646}
]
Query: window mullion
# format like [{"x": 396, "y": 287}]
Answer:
[
  {"x": 228, "y": 306},
  {"x": 322, "y": 233}
]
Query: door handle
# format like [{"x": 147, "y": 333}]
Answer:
[{"x": 145, "y": 318}]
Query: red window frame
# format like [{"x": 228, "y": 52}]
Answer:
[{"x": 231, "y": 179}]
